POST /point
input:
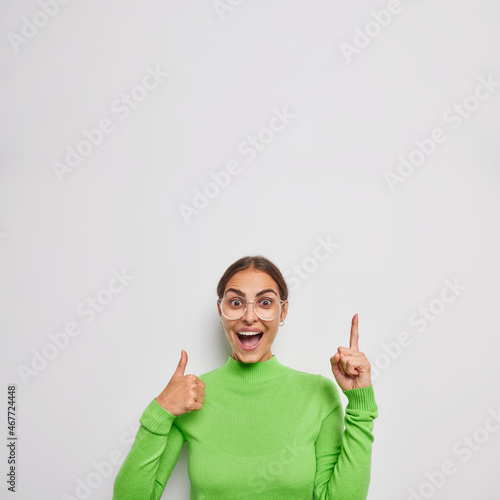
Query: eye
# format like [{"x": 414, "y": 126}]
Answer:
[
  {"x": 266, "y": 302},
  {"x": 235, "y": 302}
]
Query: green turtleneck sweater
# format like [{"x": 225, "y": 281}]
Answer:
[{"x": 266, "y": 431}]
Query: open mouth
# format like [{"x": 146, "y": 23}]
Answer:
[{"x": 249, "y": 342}]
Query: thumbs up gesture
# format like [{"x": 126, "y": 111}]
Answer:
[
  {"x": 184, "y": 393},
  {"x": 350, "y": 367}
]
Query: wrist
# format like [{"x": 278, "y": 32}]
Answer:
[
  {"x": 165, "y": 404},
  {"x": 361, "y": 398}
]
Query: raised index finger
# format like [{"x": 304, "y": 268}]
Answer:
[{"x": 353, "y": 343}]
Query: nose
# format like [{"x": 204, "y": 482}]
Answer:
[{"x": 250, "y": 316}]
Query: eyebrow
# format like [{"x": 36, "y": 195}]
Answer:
[{"x": 239, "y": 292}]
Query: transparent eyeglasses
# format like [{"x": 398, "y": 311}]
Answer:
[{"x": 266, "y": 308}]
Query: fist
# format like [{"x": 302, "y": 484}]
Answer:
[{"x": 184, "y": 393}]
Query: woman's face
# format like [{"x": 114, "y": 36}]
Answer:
[{"x": 247, "y": 284}]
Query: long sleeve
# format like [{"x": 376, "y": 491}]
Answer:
[
  {"x": 152, "y": 457},
  {"x": 343, "y": 457}
]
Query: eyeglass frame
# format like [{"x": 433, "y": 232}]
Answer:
[{"x": 219, "y": 301}]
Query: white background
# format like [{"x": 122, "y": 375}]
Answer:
[{"x": 323, "y": 176}]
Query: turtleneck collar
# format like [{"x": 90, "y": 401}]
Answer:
[{"x": 252, "y": 372}]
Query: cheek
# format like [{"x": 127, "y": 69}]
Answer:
[{"x": 271, "y": 336}]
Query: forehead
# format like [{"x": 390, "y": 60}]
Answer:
[{"x": 251, "y": 281}]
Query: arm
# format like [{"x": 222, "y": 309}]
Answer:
[
  {"x": 343, "y": 457},
  {"x": 152, "y": 457}
]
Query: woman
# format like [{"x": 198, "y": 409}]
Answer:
[{"x": 255, "y": 428}]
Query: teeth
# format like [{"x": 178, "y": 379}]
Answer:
[{"x": 248, "y": 333}]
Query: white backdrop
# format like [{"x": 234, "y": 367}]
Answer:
[{"x": 148, "y": 145}]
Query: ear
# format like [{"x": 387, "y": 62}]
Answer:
[{"x": 284, "y": 311}]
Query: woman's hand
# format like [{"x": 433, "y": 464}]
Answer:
[
  {"x": 350, "y": 367},
  {"x": 184, "y": 393}
]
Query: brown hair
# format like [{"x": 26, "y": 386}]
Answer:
[{"x": 254, "y": 262}]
